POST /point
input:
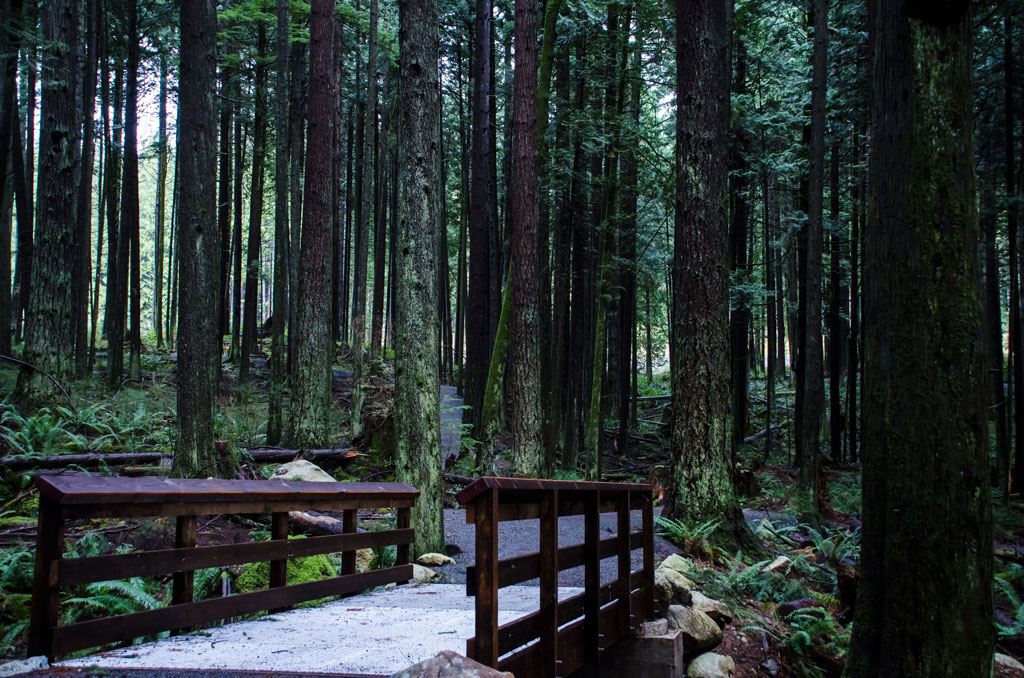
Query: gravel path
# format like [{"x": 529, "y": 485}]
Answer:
[{"x": 518, "y": 537}]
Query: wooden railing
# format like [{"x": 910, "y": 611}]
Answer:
[
  {"x": 69, "y": 497},
  {"x": 561, "y": 636}
]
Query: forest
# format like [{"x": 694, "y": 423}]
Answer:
[{"x": 764, "y": 255}]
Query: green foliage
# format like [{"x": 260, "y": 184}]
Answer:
[
  {"x": 741, "y": 581},
  {"x": 845, "y": 494},
  {"x": 810, "y": 633},
  {"x": 1007, "y": 584},
  {"x": 692, "y": 538},
  {"x": 256, "y": 576}
]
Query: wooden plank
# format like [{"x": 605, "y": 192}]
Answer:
[
  {"x": 126, "y": 627},
  {"x": 513, "y": 487},
  {"x": 402, "y": 522},
  {"x": 548, "y": 561},
  {"x": 648, "y": 569},
  {"x": 75, "y": 571},
  {"x": 114, "y": 490},
  {"x": 349, "y": 523},
  {"x": 45, "y": 586},
  {"x": 522, "y": 568},
  {"x": 241, "y": 507},
  {"x": 623, "y": 565},
  {"x": 485, "y": 648},
  {"x": 592, "y": 583},
  {"x": 279, "y": 566}
]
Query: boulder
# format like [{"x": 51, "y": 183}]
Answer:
[
  {"x": 303, "y": 470},
  {"x": 423, "y": 574},
  {"x": 666, "y": 593},
  {"x": 683, "y": 566},
  {"x": 1009, "y": 663},
  {"x": 448, "y": 664},
  {"x": 711, "y": 665},
  {"x": 700, "y": 632},
  {"x": 22, "y": 666},
  {"x": 681, "y": 583},
  {"x": 435, "y": 559},
  {"x": 718, "y": 611}
]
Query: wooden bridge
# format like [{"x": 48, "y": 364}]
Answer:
[{"x": 568, "y": 631}]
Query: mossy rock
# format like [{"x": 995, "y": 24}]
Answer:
[{"x": 256, "y": 576}]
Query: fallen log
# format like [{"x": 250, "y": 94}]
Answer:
[{"x": 270, "y": 455}]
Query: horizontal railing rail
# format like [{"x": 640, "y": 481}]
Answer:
[
  {"x": 561, "y": 636},
  {"x": 68, "y": 497}
]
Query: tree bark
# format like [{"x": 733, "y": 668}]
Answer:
[
  {"x": 701, "y": 482},
  {"x": 198, "y": 244},
  {"x": 49, "y": 334},
  {"x": 927, "y": 514},
  {"x": 311, "y": 385},
  {"x": 417, "y": 400}
]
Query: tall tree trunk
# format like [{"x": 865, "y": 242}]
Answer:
[
  {"x": 9, "y": 146},
  {"x": 481, "y": 201},
  {"x": 130, "y": 198},
  {"x": 811, "y": 385},
  {"x": 113, "y": 199},
  {"x": 417, "y": 394},
  {"x": 311, "y": 385},
  {"x": 224, "y": 188},
  {"x": 380, "y": 228},
  {"x": 627, "y": 256},
  {"x": 26, "y": 212},
  {"x": 927, "y": 513},
  {"x": 362, "y": 239},
  {"x": 1012, "y": 226},
  {"x": 524, "y": 350},
  {"x": 838, "y": 309},
  {"x": 198, "y": 247},
  {"x": 701, "y": 480},
  {"x": 296, "y": 155},
  {"x": 159, "y": 211},
  {"x": 236, "y": 225},
  {"x": 278, "y": 358},
  {"x": 83, "y": 231},
  {"x": 255, "y": 244},
  {"x": 49, "y": 334},
  {"x": 739, "y": 318}
]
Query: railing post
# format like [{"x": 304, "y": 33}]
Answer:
[
  {"x": 349, "y": 523},
  {"x": 592, "y": 581},
  {"x": 402, "y": 522},
  {"x": 549, "y": 584},
  {"x": 484, "y": 649},
  {"x": 278, "y": 568},
  {"x": 648, "y": 537},
  {"x": 624, "y": 567},
  {"x": 45, "y": 587},
  {"x": 183, "y": 582}
]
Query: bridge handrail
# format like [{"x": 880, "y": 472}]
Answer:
[
  {"x": 561, "y": 636},
  {"x": 70, "y": 497}
]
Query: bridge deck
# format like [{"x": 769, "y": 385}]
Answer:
[{"x": 371, "y": 634}]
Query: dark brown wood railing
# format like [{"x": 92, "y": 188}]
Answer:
[
  {"x": 561, "y": 636},
  {"x": 63, "y": 498}
]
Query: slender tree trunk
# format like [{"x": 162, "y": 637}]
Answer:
[
  {"x": 26, "y": 214},
  {"x": 838, "y": 309},
  {"x": 296, "y": 126},
  {"x": 159, "y": 211},
  {"x": 255, "y": 244},
  {"x": 417, "y": 404},
  {"x": 311, "y": 384},
  {"x": 113, "y": 198},
  {"x": 49, "y": 335},
  {"x": 236, "y": 225},
  {"x": 278, "y": 358},
  {"x": 1012, "y": 226},
  {"x": 130, "y": 198},
  {"x": 927, "y": 516},
  {"x": 224, "y": 201},
  {"x": 739, "y": 318}
]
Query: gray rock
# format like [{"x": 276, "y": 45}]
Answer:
[
  {"x": 669, "y": 591},
  {"x": 435, "y": 559},
  {"x": 423, "y": 574},
  {"x": 300, "y": 469},
  {"x": 20, "y": 666},
  {"x": 700, "y": 632},
  {"x": 718, "y": 611},
  {"x": 1008, "y": 662},
  {"x": 683, "y": 566},
  {"x": 711, "y": 665},
  {"x": 448, "y": 664}
]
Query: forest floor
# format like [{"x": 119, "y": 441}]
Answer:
[{"x": 792, "y": 599}]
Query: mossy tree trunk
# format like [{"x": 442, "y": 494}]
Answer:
[
  {"x": 49, "y": 335},
  {"x": 311, "y": 376},
  {"x": 198, "y": 244},
  {"x": 417, "y": 384},
  {"x": 924, "y": 606},
  {"x": 700, "y": 485}
]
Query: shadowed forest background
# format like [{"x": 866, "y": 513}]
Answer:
[{"x": 762, "y": 254}]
